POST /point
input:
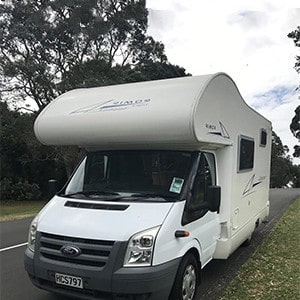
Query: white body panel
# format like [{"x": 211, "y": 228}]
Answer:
[
  {"x": 105, "y": 224},
  {"x": 152, "y": 113},
  {"x": 204, "y": 234},
  {"x": 191, "y": 113}
]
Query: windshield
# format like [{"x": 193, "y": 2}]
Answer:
[{"x": 138, "y": 175}]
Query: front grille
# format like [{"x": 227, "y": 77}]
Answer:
[{"x": 94, "y": 253}]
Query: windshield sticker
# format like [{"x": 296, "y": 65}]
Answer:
[{"x": 176, "y": 185}]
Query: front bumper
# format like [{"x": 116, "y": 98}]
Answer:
[{"x": 112, "y": 282}]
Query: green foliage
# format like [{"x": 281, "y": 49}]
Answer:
[
  {"x": 19, "y": 191},
  {"x": 51, "y": 46},
  {"x": 24, "y": 161},
  {"x": 295, "y": 35},
  {"x": 295, "y": 129},
  {"x": 295, "y": 124},
  {"x": 273, "y": 271},
  {"x": 281, "y": 164},
  {"x": 295, "y": 170},
  {"x": 101, "y": 73}
]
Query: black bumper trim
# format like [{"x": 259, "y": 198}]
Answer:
[{"x": 151, "y": 283}]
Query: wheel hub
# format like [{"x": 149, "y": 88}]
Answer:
[{"x": 189, "y": 283}]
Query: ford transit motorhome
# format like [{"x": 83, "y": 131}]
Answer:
[{"x": 176, "y": 174}]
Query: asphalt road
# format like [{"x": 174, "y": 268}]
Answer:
[{"x": 15, "y": 283}]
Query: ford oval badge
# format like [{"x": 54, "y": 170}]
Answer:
[{"x": 70, "y": 250}]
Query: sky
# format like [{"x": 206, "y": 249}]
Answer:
[{"x": 249, "y": 42}]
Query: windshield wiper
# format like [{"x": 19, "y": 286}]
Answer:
[
  {"x": 153, "y": 195},
  {"x": 117, "y": 197},
  {"x": 91, "y": 193}
]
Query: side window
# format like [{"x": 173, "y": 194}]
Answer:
[
  {"x": 211, "y": 167},
  {"x": 263, "y": 138},
  {"x": 205, "y": 177},
  {"x": 246, "y": 154}
]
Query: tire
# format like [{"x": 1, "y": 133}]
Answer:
[{"x": 187, "y": 279}]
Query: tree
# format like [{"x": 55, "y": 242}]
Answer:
[
  {"x": 51, "y": 46},
  {"x": 99, "y": 73},
  {"x": 281, "y": 164},
  {"x": 295, "y": 124},
  {"x": 295, "y": 35},
  {"x": 296, "y": 176},
  {"x": 48, "y": 47},
  {"x": 295, "y": 129},
  {"x": 26, "y": 165}
]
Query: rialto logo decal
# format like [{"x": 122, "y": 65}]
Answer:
[
  {"x": 112, "y": 105},
  {"x": 252, "y": 183},
  {"x": 219, "y": 130}
]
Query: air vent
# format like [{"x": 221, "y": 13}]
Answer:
[{"x": 101, "y": 206}]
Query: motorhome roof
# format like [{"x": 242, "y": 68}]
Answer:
[{"x": 181, "y": 112}]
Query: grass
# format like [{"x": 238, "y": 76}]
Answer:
[
  {"x": 273, "y": 272},
  {"x": 13, "y": 210}
]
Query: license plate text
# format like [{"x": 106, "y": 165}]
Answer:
[{"x": 68, "y": 280}]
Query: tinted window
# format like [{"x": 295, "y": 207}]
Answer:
[
  {"x": 205, "y": 177},
  {"x": 154, "y": 172},
  {"x": 263, "y": 138},
  {"x": 246, "y": 153}
]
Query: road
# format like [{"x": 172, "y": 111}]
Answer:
[{"x": 216, "y": 275}]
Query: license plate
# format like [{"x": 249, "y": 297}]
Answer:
[{"x": 69, "y": 280}]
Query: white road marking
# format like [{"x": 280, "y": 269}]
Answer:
[{"x": 13, "y": 247}]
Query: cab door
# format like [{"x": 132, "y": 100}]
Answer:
[{"x": 202, "y": 223}]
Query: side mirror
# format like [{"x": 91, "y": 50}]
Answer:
[
  {"x": 52, "y": 187},
  {"x": 213, "y": 197}
]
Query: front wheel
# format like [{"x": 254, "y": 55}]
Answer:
[{"x": 186, "y": 281}]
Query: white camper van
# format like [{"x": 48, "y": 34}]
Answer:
[{"x": 176, "y": 174}]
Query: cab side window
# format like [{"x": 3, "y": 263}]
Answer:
[{"x": 205, "y": 177}]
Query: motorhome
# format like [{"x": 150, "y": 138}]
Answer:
[{"x": 176, "y": 174}]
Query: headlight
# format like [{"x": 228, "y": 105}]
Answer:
[
  {"x": 32, "y": 234},
  {"x": 140, "y": 248}
]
